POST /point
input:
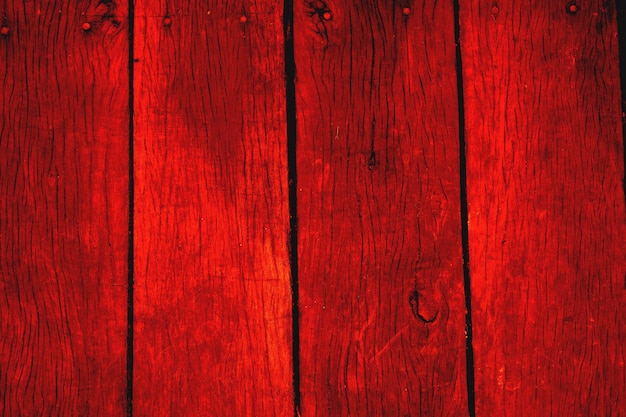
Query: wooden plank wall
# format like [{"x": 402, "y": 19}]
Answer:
[
  {"x": 380, "y": 259},
  {"x": 63, "y": 208},
  {"x": 254, "y": 153},
  {"x": 212, "y": 278},
  {"x": 546, "y": 207}
]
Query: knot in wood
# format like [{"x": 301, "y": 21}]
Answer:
[{"x": 415, "y": 308}]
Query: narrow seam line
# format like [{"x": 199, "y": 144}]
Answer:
[
  {"x": 131, "y": 212},
  {"x": 290, "y": 90},
  {"x": 469, "y": 349},
  {"x": 621, "y": 30}
]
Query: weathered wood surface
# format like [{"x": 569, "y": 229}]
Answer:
[
  {"x": 380, "y": 260},
  {"x": 212, "y": 278},
  {"x": 546, "y": 207},
  {"x": 378, "y": 198},
  {"x": 63, "y": 208}
]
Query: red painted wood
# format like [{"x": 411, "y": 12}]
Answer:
[
  {"x": 546, "y": 208},
  {"x": 213, "y": 301},
  {"x": 63, "y": 209},
  {"x": 379, "y": 210}
]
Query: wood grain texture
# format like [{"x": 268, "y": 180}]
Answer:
[
  {"x": 380, "y": 260},
  {"x": 546, "y": 207},
  {"x": 63, "y": 208},
  {"x": 213, "y": 300}
]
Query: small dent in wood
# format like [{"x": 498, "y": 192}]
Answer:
[
  {"x": 415, "y": 308},
  {"x": 572, "y": 8},
  {"x": 371, "y": 161},
  {"x": 495, "y": 10}
]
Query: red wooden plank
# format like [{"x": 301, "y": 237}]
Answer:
[
  {"x": 213, "y": 300},
  {"x": 380, "y": 265},
  {"x": 546, "y": 207},
  {"x": 64, "y": 208}
]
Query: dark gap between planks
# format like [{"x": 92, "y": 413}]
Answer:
[
  {"x": 469, "y": 349},
  {"x": 621, "y": 30},
  {"x": 290, "y": 90},
  {"x": 131, "y": 212}
]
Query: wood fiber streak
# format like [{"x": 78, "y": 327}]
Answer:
[
  {"x": 546, "y": 208},
  {"x": 64, "y": 209},
  {"x": 380, "y": 259},
  {"x": 212, "y": 278}
]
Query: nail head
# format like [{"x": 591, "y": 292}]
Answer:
[
  {"x": 167, "y": 21},
  {"x": 86, "y": 26},
  {"x": 406, "y": 11},
  {"x": 4, "y": 31},
  {"x": 327, "y": 15},
  {"x": 572, "y": 8},
  {"x": 495, "y": 9},
  {"x": 243, "y": 19}
]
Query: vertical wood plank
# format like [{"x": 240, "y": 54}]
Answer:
[
  {"x": 380, "y": 265},
  {"x": 213, "y": 301},
  {"x": 63, "y": 208},
  {"x": 546, "y": 207}
]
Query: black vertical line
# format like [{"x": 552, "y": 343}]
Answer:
[
  {"x": 290, "y": 89},
  {"x": 131, "y": 210},
  {"x": 469, "y": 349},
  {"x": 621, "y": 30}
]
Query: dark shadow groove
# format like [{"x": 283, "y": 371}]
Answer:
[
  {"x": 290, "y": 89},
  {"x": 131, "y": 211},
  {"x": 469, "y": 349},
  {"x": 621, "y": 30}
]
